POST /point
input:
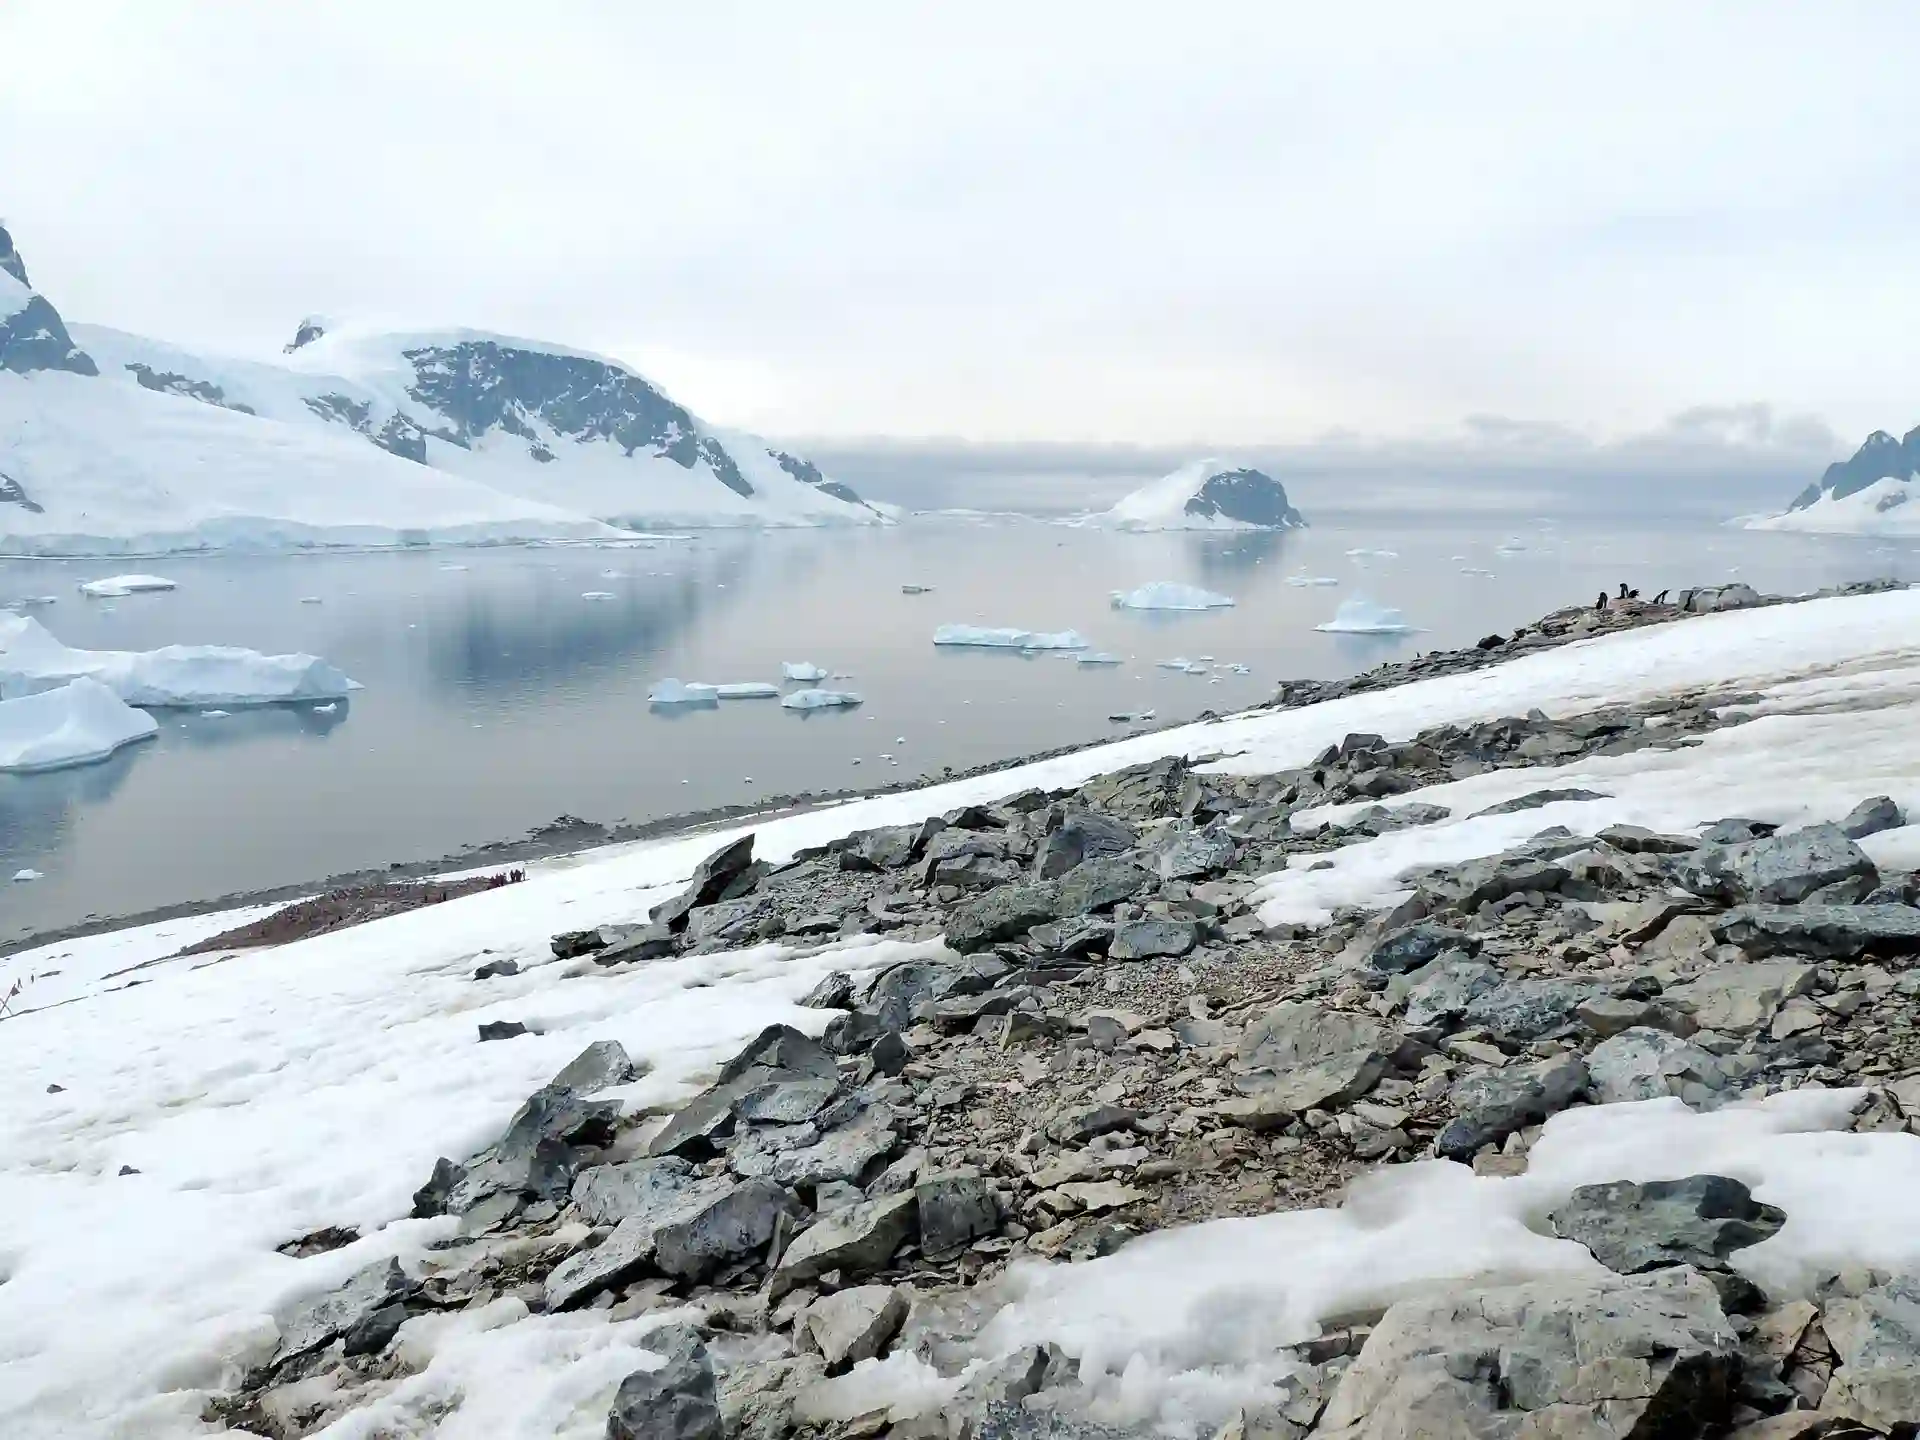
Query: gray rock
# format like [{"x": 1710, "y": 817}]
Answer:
[
  {"x": 849, "y": 1326},
  {"x": 889, "y": 848},
  {"x": 781, "y": 1075},
  {"x": 324, "y": 1318},
  {"x": 677, "y": 1401},
  {"x": 1705, "y": 599},
  {"x": 1528, "y": 1009},
  {"x": 602, "y": 1065},
  {"x": 1077, "y": 1126},
  {"x": 1876, "y": 1338},
  {"x": 608, "y": 1194},
  {"x": 858, "y": 1240},
  {"x": 495, "y": 969},
  {"x": 844, "y": 1154},
  {"x": 1698, "y": 1221},
  {"x": 834, "y": 992},
  {"x": 1491, "y": 1105},
  {"x": 1005, "y": 1421},
  {"x": 648, "y": 942},
  {"x": 1100, "y": 884},
  {"x": 1779, "y": 869},
  {"x": 1300, "y": 1057},
  {"x": 1442, "y": 991},
  {"x": 709, "y": 882},
  {"x": 786, "y": 1100},
  {"x": 501, "y": 1030},
  {"x": 1739, "y": 999},
  {"x": 955, "y": 1210},
  {"x": 1646, "y": 1064},
  {"x": 712, "y": 1234},
  {"x": 1870, "y": 817},
  {"x": 1153, "y": 939},
  {"x": 756, "y": 1401},
  {"x": 1418, "y": 945},
  {"x": 1485, "y": 882},
  {"x": 1824, "y": 932},
  {"x": 1003, "y": 914},
  {"x": 536, "y": 1157},
  {"x": 1606, "y": 1017},
  {"x": 1082, "y": 835},
  {"x": 1535, "y": 799},
  {"x": 1191, "y": 854},
  {"x": 1609, "y": 1358}
]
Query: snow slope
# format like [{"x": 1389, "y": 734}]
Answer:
[
  {"x": 32, "y": 660},
  {"x": 268, "y": 1094},
  {"x": 1206, "y": 495},
  {"x": 524, "y": 417},
  {"x": 1882, "y": 508},
  {"x": 75, "y": 724},
  {"x": 111, "y": 468}
]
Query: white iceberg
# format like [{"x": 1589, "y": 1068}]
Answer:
[
  {"x": 802, "y": 670},
  {"x": 189, "y": 676},
  {"x": 988, "y": 637},
  {"x": 1302, "y": 581},
  {"x": 818, "y": 699},
  {"x": 116, "y": 585},
  {"x": 677, "y": 692},
  {"x": 75, "y": 724},
  {"x": 1098, "y": 657},
  {"x": 1363, "y": 617},
  {"x": 1169, "y": 595},
  {"x": 25, "y": 877},
  {"x": 747, "y": 690},
  {"x": 596, "y": 595}
]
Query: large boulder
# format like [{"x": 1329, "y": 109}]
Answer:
[
  {"x": 1490, "y": 1105},
  {"x": 1642, "y": 1063},
  {"x": 1780, "y": 869},
  {"x": 324, "y": 1318},
  {"x": 1823, "y": 932},
  {"x": 1739, "y": 999},
  {"x": 1003, "y": 914},
  {"x": 535, "y": 1158},
  {"x": 1081, "y": 835},
  {"x": 1608, "y": 1358},
  {"x": 1698, "y": 1222},
  {"x": 709, "y": 884},
  {"x": 1529, "y": 1009},
  {"x": 1300, "y": 1057},
  {"x": 675, "y": 1401}
]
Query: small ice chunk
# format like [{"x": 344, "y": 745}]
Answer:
[
  {"x": 1362, "y": 617},
  {"x": 1169, "y": 595},
  {"x": 802, "y": 670},
  {"x": 1098, "y": 657},
  {"x": 32, "y": 602},
  {"x": 326, "y": 709},
  {"x": 215, "y": 714},
  {"x": 116, "y": 585},
  {"x": 310, "y": 600},
  {"x": 1362, "y": 553},
  {"x": 1179, "y": 662},
  {"x": 1476, "y": 570},
  {"x": 677, "y": 692},
  {"x": 747, "y": 690},
  {"x": 818, "y": 699},
  {"x": 452, "y": 569},
  {"x": 596, "y": 595},
  {"x": 1300, "y": 582},
  {"x": 25, "y": 877},
  {"x": 990, "y": 637},
  {"x": 916, "y": 589}
]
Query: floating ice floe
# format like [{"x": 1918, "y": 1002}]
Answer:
[
  {"x": 32, "y": 602},
  {"x": 802, "y": 670},
  {"x": 1097, "y": 657},
  {"x": 1363, "y": 617},
  {"x": 818, "y": 699},
  {"x": 1006, "y": 638},
  {"x": 1362, "y": 553},
  {"x": 115, "y": 586},
  {"x": 24, "y": 877},
  {"x": 596, "y": 595},
  {"x": 188, "y": 676},
  {"x": 453, "y": 569},
  {"x": 1238, "y": 669},
  {"x": 326, "y": 709},
  {"x": 1169, "y": 595},
  {"x": 747, "y": 690},
  {"x": 678, "y": 692},
  {"x": 215, "y": 714},
  {"x": 1476, "y": 571},
  {"x": 310, "y": 600},
  {"x": 1300, "y": 582},
  {"x": 74, "y": 724}
]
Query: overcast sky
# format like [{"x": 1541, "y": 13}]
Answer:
[{"x": 1157, "y": 224}]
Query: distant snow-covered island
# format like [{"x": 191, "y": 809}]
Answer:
[
  {"x": 1207, "y": 495},
  {"x": 1866, "y": 494},
  {"x": 112, "y": 443}
]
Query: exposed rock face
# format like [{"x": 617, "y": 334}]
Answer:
[
  {"x": 169, "y": 382},
  {"x": 1248, "y": 496},
  {"x": 1882, "y": 455},
  {"x": 32, "y": 334}
]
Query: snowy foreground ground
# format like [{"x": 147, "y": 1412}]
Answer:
[{"x": 167, "y": 1122}]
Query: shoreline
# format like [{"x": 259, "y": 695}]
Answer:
[{"x": 567, "y": 836}]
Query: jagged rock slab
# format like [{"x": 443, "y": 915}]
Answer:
[
  {"x": 677, "y": 1401},
  {"x": 1739, "y": 999},
  {"x": 859, "y": 1240},
  {"x": 1698, "y": 1221},
  {"x": 1824, "y": 932},
  {"x": 1300, "y": 1057},
  {"x": 1778, "y": 869},
  {"x": 1641, "y": 1063},
  {"x": 1491, "y": 1105},
  {"x": 849, "y": 1326},
  {"x": 1613, "y": 1358},
  {"x": 325, "y": 1318}
]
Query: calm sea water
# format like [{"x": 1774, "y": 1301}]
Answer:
[{"x": 497, "y": 697}]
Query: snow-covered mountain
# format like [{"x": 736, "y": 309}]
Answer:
[
  {"x": 1865, "y": 494},
  {"x": 115, "y": 442},
  {"x": 1208, "y": 495}
]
